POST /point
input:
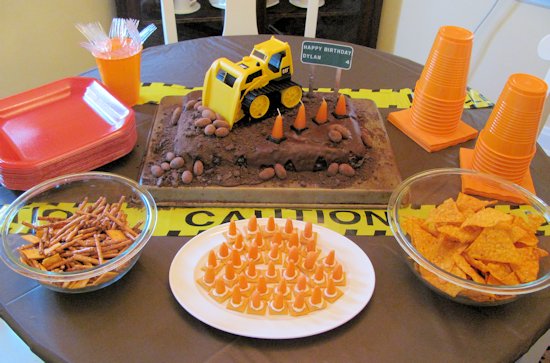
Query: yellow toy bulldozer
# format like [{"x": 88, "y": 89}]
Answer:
[{"x": 258, "y": 83}]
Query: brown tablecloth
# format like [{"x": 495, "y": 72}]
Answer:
[{"x": 138, "y": 319}]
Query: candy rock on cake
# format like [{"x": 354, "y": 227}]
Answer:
[{"x": 252, "y": 125}]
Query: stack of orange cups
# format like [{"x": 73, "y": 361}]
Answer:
[
  {"x": 433, "y": 121},
  {"x": 507, "y": 143}
]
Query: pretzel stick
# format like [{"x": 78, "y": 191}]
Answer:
[
  {"x": 98, "y": 247},
  {"x": 121, "y": 225},
  {"x": 81, "y": 258}
]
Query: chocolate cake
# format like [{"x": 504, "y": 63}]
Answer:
[{"x": 193, "y": 155}]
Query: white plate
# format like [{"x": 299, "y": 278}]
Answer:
[
  {"x": 183, "y": 10},
  {"x": 220, "y": 4},
  {"x": 360, "y": 287},
  {"x": 303, "y": 3}
]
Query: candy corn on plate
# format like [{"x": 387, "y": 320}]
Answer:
[{"x": 272, "y": 278}]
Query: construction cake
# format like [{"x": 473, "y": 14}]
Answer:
[{"x": 252, "y": 130}]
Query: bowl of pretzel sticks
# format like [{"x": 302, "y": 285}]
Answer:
[{"x": 79, "y": 232}]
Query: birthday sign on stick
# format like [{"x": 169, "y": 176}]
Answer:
[{"x": 327, "y": 54}]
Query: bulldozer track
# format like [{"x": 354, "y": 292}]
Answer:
[{"x": 272, "y": 89}]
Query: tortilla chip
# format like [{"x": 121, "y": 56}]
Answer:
[
  {"x": 407, "y": 224},
  {"x": 467, "y": 269},
  {"x": 465, "y": 202},
  {"x": 488, "y": 217},
  {"x": 503, "y": 272},
  {"x": 528, "y": 269},
  {"x": 424, "y": 242},
  {"x": 445, "y": 286},
  {"x": 494, "y": 245},
  {"x": 447, "y": 212},
  {"x": 461, "y": 235}
]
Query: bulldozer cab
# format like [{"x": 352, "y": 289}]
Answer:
[{"x": 276, "y": 55}]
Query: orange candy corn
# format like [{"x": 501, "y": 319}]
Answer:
[
  {"x": 293, "y": 241},
  {"x": 330, "y": 260},
  {"x": 259, "y": 241},
  {"x": 278, "y": 301},
  {"x": 224, "y": 250},
  {"x": 232, "y": 228},
  {"x": 281, "y": 288},
  {"x": 319, "y": 273},
  {"x": 340, "y": 109},
  {"x": 251, "y": 270},
  {"x": 308, "y": 230},
  {"x": 209, "y": 275},
  {"x": 252, "y": 224},
  {"x": 253, "y": 251},
  {"x": 311, "y": 245},
  {"x": 238, "y": 245},
  {"x": 322, "y": 113},
  {"x": 236, "y": 258},
  {"x": 271, "y": 271},
  {"x": 316, "y": 295},
  {"x": 243, "y": 282},
  {"x": 236, "y": 296},
  {"x": 299, "y": 301},
  {"x": 300, "y": 121},
  {"x": 309, "y": 263},
  {"x": 262, "y": 285},
  {"x": 274, "y": 252},
  {"x": 270, "y": 224},
  {"x": 255, "y": 299},
  {"x": 289, "y": 227},
  {"x": 290, "y": 271},
  {"x": 277, "y": 238},
  {"x": 212, "y": 261},
  {"x": 219, "y": 286},
  {"x": 301, "y": 283},
  {"x": 294, "y": 254},
  {"x": 331, "y": 288},
  {"x": 229, "y": 272},
  {"x": 338, "y": 272}
]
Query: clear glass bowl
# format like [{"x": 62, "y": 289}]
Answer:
[
  {"x": 59, "y": 198},
  {"x": 417, "y": 194}
]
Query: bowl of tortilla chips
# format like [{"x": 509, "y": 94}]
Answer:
[{"x": 471, "y": 237}]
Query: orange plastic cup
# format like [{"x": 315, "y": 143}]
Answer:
[
  {"x": 507, "y": 143},
  {"x": 512, "y": 127},
  {"x": 445, "y": 73},
  {"x": 121, "y": 74},
  {"x": 489, "y": 161},
  {"x": 430, "y": 115}
]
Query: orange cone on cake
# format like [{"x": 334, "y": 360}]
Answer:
[
  {"x": 507, "y": 143},
  {"x": 340, "y": 111},
  {"x": 277, "y": 133},
  {"x": 300, "y": 122},
  {"x": 433, "y": 121}
]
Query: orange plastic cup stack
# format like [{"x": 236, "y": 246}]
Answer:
[
  {"x": 507, "y": 143},
  {"x": 433, "y": 121}
]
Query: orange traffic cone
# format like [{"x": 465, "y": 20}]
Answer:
[
  {"x": 322, "y": 113},
  {"x": 277, "y": 134},
  {"x": 340, "y": 110},
  {"x": 300, "y": 122}
]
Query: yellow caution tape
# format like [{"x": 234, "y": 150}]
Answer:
[
  {"x": 384, "y": 98},
  {"x": 182, "y": 221}
]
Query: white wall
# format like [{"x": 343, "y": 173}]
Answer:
[
  {"x": 39, "y": 42},
  {"x": 505, "y": 44}
]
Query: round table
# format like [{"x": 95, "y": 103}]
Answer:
[{"x": 138, "y": 319}]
